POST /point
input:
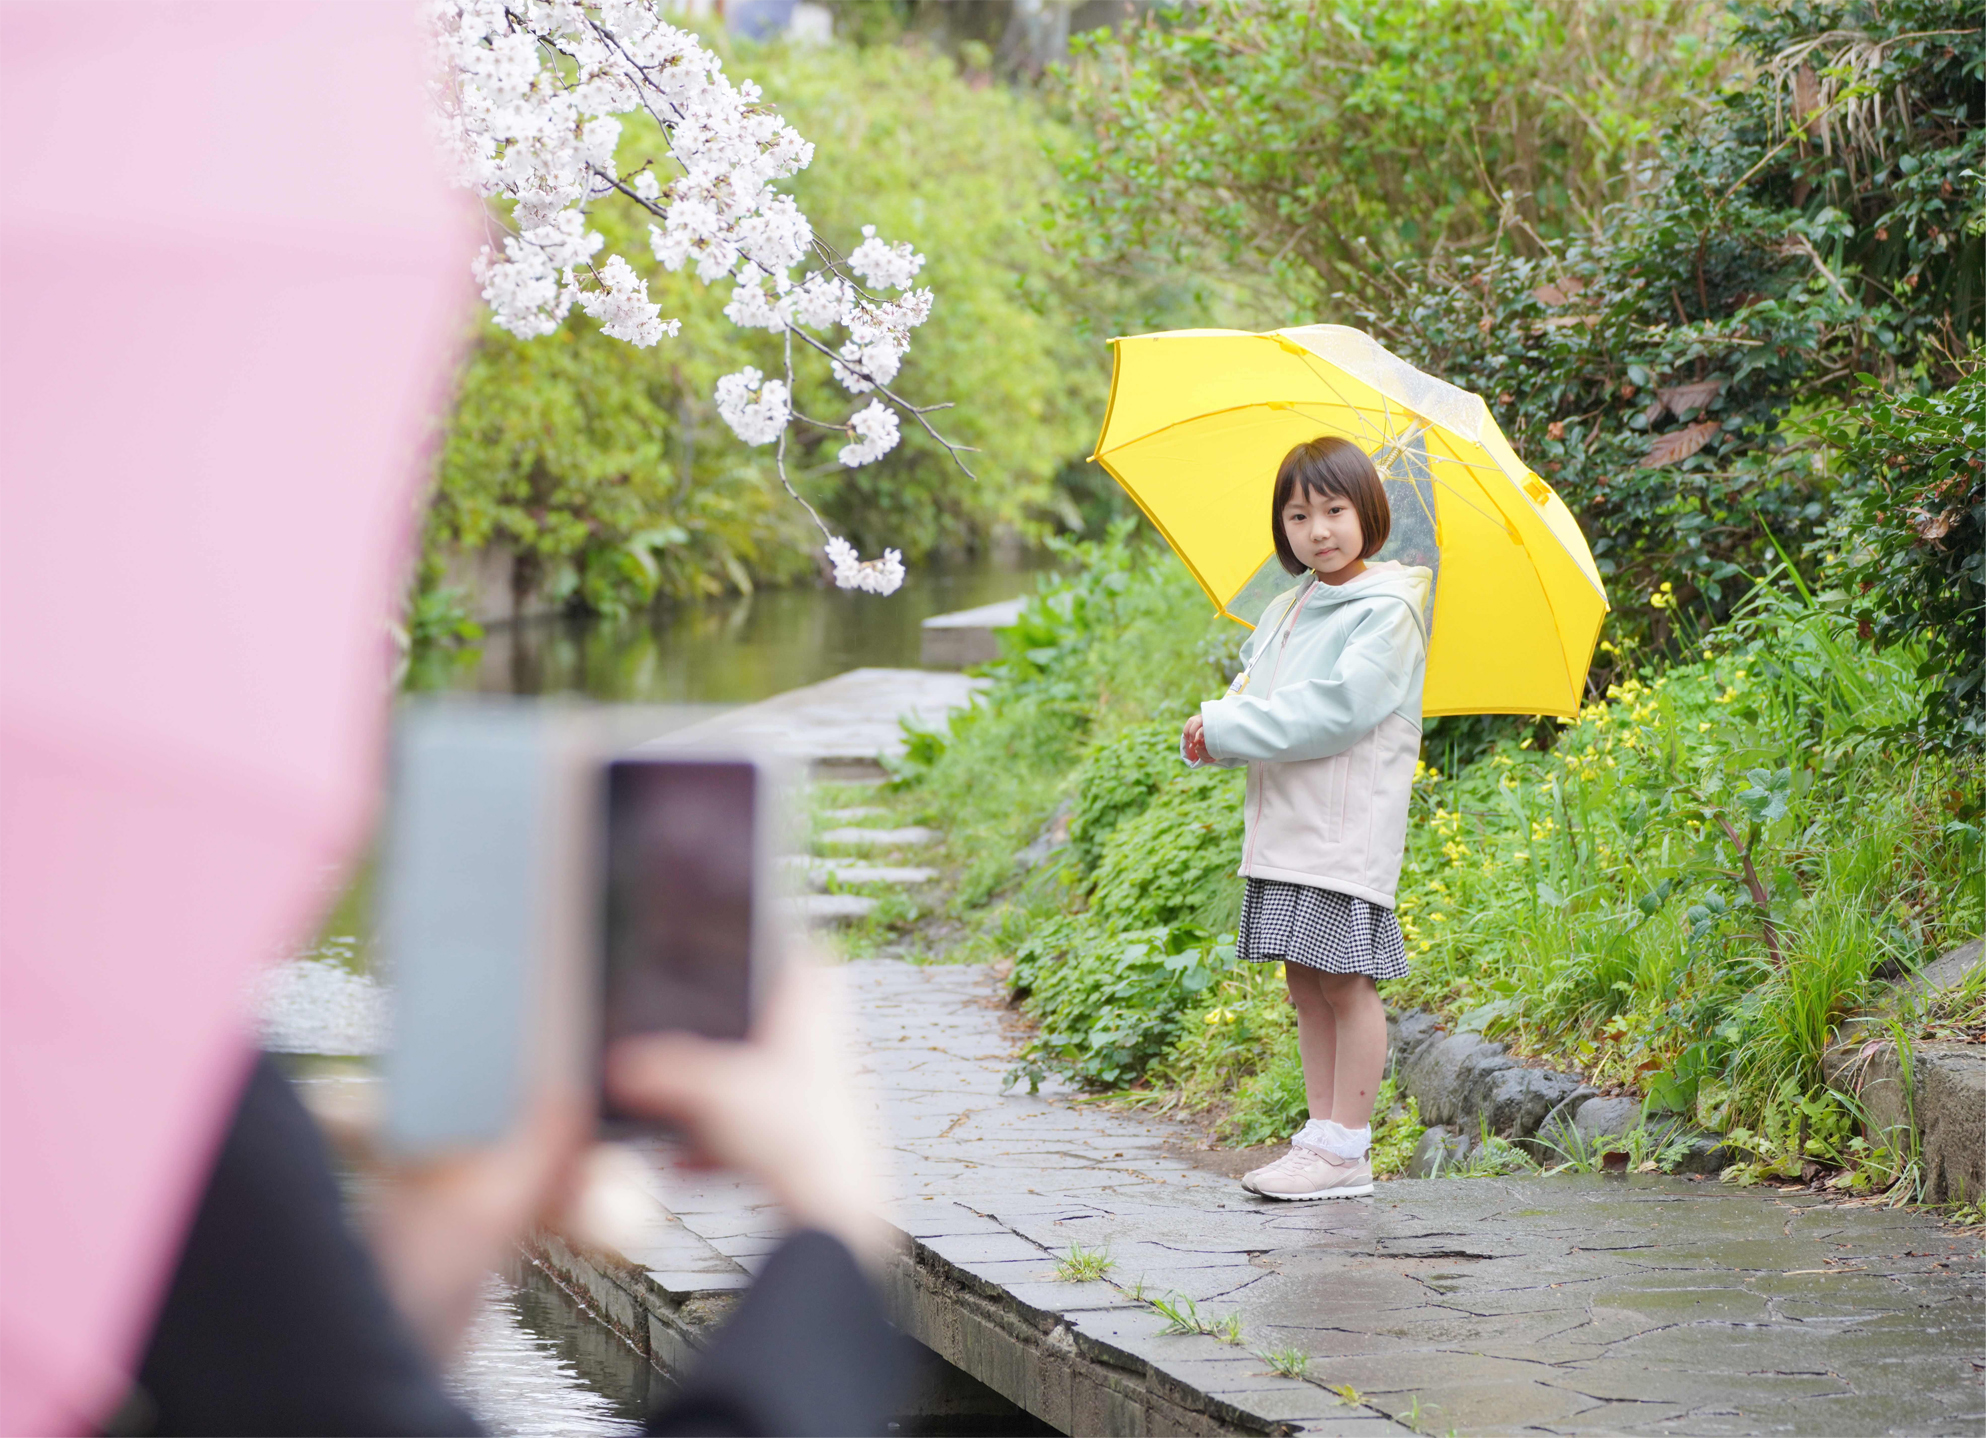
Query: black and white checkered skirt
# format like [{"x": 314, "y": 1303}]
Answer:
[{"x": 1319, "y": 928}]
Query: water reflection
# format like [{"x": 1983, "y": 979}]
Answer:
[
  {"x": 730, "y": 652},
  {"x": 537, "y": 1363}
]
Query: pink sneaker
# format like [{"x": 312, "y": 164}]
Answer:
[{"x": 1304, "y": 1173}]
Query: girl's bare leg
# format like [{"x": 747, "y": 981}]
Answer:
[
  {"x": 1316, "y": 1037},
  {"x": 1361, "y": 1046}
]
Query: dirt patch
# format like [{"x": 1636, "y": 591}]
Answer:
[{"x": 1228, "y": 1162}]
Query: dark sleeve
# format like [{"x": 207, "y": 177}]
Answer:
[
  {"x": 807, "y": 1353},
  {"x": 276, "y": 1321}
]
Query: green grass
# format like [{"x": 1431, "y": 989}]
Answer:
[
  {"x": 1084, "y": 1265},
  {"x": 1183, "y": 1315},
  {"x": 1288, "y": 1362}
]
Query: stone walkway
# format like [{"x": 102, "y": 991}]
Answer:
[
  {"x": 1605, "y": 1304},
  {"x": 841, "y": 727}
]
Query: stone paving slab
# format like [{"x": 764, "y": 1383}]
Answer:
[
  {"x": 1576, "y": 1305},
  {"x": 967, "y": 636},
  {"x": 848, "y": 722},
  {"x": 908, "y": 837}
]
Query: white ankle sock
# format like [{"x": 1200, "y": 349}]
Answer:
[{"x": 1349, "y": 1144}]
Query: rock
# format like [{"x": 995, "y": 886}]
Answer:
[
  {"x": 844, "y": 727},
  {"x": 1550, "y": 1143},
  {"x": 1054, "y": 836},
  {"x": 818, "y": 872},
  {"x": 1949, "y": 1104},
  {"x": 1948, "y": 1101},
  {"x": 1516, "y": 1101},
  {"x": 1439, "y": 1150},
  {"x": 1410, "y": 1034},
  {"x": 1598, "y": 1118},
  {"x": 1476, "y": 1077},
  {"x": 1438, "y": 1078},
  {"x": 1707, "y": 1153},
  {"x": 1949, "y": 971},
  {"x": 878, "y": 874},
  {"x": 1951, "y": 1107}
]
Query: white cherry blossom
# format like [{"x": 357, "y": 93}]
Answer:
[
  {"x": 876, "y": 576},
  {"x": 757, "y": 409},
  {"x": 885, "y": 266},
  {"x": 875, "y": 434},
  {"x": 622, "y": 307}
]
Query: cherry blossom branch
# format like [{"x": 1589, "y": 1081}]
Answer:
[
  {"x": 878, "y": 576},
  {"x": 916, "y": 412}
]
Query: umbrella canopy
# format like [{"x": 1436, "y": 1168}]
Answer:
[
  {"x": 231, "y": 273},
  {"x": 1199, "y": 420}
]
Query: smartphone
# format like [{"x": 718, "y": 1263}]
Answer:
[
  {"x": 684, "y": 911},
  {"x": 485, "y": 916}
]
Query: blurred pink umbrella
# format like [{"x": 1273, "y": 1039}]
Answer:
[{"x": 229, "y": 276}]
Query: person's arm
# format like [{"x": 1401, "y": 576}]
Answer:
[
  {"x": 808, "y": 1350},
  {"x": 276, "y": 1320},
  {"x": 1192, "y": 740},
  {"x": 1318, "y": 716}
]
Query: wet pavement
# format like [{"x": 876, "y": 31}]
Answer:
[{"x": 1596, "y": 1304}]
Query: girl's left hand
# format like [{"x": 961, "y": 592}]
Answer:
[{"x": 1196, "y": 741}]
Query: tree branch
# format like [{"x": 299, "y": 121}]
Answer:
[{"x": 1760, "y": 899}]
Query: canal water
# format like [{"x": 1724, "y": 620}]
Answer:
[
  {"x": 536, "y": 1362},
  {"x": 733, "y": 651}
]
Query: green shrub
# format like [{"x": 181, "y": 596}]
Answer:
[
  {"x": 1119, "y": 778},
  {"x": 1701, "y": 876},
  {"x": 1310, "y": 148},
  {"x": 1175, "y": 859},
  {"x": 1108, "y": 1004},
  {"x": 1913, "y": 545},
  {"x": 1656, "y": 350},
  {"x": 1122, "y": 636}
]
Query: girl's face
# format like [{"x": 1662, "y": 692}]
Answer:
[{"x": 1324, "y": 533}]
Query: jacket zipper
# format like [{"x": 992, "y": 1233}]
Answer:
[{"x": 1275, "y": 672}]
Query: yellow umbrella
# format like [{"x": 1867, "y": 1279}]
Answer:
[{"x": 1200, "y": 419}]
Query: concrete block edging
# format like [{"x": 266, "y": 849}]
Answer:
[{"x": 1040, "y": 1359}]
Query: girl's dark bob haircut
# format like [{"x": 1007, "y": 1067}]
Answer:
[{"x": 1333, "y": 466}]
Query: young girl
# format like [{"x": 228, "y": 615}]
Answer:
[{"x": 1327, "y": 715}]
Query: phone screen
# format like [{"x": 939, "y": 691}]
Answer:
[{"x": 682, "y": 861}]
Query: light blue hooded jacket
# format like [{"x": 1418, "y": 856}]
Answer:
[{"x": 1326, "y": 714}]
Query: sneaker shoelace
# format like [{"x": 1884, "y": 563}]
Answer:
[{"x": 1297, "y": 1155}]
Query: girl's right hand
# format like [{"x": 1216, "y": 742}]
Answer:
[{"x": 1195, "y": 741}]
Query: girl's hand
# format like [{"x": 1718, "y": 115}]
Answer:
[{"x": 1195, "y": 739}]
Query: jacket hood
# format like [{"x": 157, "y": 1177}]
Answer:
[{"x": 1391, "y": 580}]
